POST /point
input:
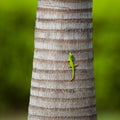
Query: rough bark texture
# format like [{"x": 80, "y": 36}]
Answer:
[{"x": 63, "y": 26}]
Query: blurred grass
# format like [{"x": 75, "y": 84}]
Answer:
[
  {"x": 109, "y": 116},
  {"x": 14, "y": 116}
]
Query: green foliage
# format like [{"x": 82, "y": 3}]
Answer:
[
  {"x": 17, "y": 21},
  {"x": 106, "y": 53},
  {"x": 109, "y": 116}
]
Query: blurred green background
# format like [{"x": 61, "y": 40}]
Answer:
[{"x": 17, "y": 21}]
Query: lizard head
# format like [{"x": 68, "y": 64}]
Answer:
[{"x": 70, "y": 54}]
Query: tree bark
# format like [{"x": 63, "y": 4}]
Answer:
[{"x": 63, "y": 26}]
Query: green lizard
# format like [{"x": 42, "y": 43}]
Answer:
[{"x": 72, "y": 65}]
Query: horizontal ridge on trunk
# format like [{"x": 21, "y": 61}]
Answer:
[
  {"x": 81, "y": 20},
  {"x": 64, "y": 30},
  {"x": 61, "y": 65},
  {"x": 77, "y": 80},
  {"x": 64, "y": 35},
  {"x": 67, "y": 113},
  {"x": 52, "y": 55},
  {"x": 67, "y": 47},
  {"x": 71, "y": 1},
  {"x": 61, "y": 76},
  {"x": 63, "y": 109},
  {"x": 38, "y": 117},
  {"x": 44, "y": 9},
  {"x": 62, "y": 85},
  {"x": 51, "y": 71},
  {"x": 63, "y": 90},
  {"x": 65, "y": 16},
  {"x": 62, "y": 26},
  {"x": 64, "y": 51},
  {"x": 61, "y": 41},
  {"x": 63, "y": 94},
  {"x": 64, "y": 99},
  {"x": 36, "y": 60}
]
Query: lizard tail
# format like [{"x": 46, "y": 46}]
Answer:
[{"x": 73, "y": 74}]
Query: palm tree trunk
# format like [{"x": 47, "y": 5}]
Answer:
[{"x": 63, "y": 26}]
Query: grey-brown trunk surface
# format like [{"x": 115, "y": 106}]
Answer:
[{"x": 63, "y": 26}]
